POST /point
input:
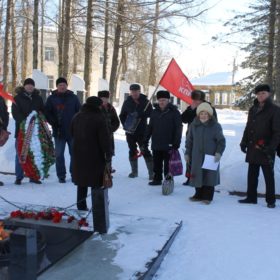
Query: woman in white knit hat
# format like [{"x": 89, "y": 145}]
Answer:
[{"x": 205, "y": 137}]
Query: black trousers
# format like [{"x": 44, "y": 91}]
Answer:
[
  {"x": 81, "y": 198},
  {"x": 204, "y": 193},
  {"x": 161, "y": 163},
  {"x": 253, "y": 179},
  {"x": 132, "y": 141}
]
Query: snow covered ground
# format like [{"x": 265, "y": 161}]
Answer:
[{"x": 220, "y": 241}]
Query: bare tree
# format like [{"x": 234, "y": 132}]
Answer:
[
  {"x": 7, "y": 45},
  {"x": 42, "y": 35},
  {"x": 152, "y": 74},
  {"x": 106, "y": 34},
  {"x": 60, "y": 36},
  {"x": 116, "y": 48},
  {"x": 14, "y": 46},
  {"x": 25, "y": 38},
  {"x": 88, "y": 48},
  {"x": 271, "y": 42},
  {"x": 277, "y": 55},
  {"x": 35, "y": 34}
]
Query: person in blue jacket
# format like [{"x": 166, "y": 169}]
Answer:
[{"x": 60, "y": 108}]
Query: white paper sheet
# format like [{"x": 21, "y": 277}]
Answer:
[{"x": 209, "y": 163}]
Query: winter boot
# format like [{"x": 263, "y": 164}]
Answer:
[
  {"x": 134, "y": 168},
  {"x": 150, "y": 167}
]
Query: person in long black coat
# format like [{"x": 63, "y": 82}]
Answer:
[
  {"x": 27, "y": 99},
  {"x": 260, "y": 140},
  {"x": 4, "y": 119},
  {"x": 133, "y": 109},
  {"x": 189, "y": 115},
  {"x": 91, "y": 148},
  {"x": 165, "y": 129}
]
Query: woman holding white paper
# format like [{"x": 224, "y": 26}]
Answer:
[{"x": 205, "y": 137}]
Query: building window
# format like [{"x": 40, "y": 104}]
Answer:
[
  {"x": 207, "y": 97},
  {"x": 51, "y": 82},
  {"x": 49, "y": 53},
  {"x": 101, "y": 58},
  {"x": 233, "y": 98},
  {"x": 217, "y": 98},
  {"x": 224, "y": 98}
]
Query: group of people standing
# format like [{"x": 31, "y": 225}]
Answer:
[{"x": 88, "y": 130}]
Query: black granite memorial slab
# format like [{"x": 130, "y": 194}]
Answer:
[{"x": 59, "y": 240}]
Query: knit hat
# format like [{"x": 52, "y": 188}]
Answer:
[
  {"x": 103, "y": 93},
  {"x": 61, "y": 80},
  {"x": 134, "y": 87},
  {"x": 262, "y": 87},
  {"x": 94, "y": 101},
  {"x": 29, "y": 81},
  {"x": 163, "y": 94},
  {"x": 198, "y": 95},
  {"x": 204, "y": 107}
]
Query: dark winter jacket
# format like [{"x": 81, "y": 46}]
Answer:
[
  {"x": 189, "y": 114},
  {"x": 165, "y": 128},
  {"x": 204, "y": 138},
  {"x": 4, "y": 115},
  {"x": 91, "y": 146},
  {"x": 25, "y": 104},
  {"x": 263, "y": 127},
  {"x": 130, "y": 106},
  {"x": 112, "y": 121},
  {"x": 60, "y": 109}
]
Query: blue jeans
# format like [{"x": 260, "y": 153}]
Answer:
[
  {"x": 18, "y": 169},
  {"x": 60, "y": 144}
]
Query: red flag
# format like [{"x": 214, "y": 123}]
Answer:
[
  {"x": 6, "y": 95},
  {"x": 176, "y": 82}
]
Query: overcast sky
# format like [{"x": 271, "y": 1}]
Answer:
[{"x": 197, "y": 53}]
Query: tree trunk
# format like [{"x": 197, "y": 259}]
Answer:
[
  {"x": 88, "y": 48},
  {"x": 60, "y": 37},
  {"x": 66, "y": 40},
  {"x": 152, "y": 74},
  {"x": 42, "y": 35},
  {"x": 35, "y": 34},
  {"x": 14, "y": 47},
  {"x": 271, "y": 37},
  {"x": 106, "y": 33},
  {"x": 116, "y": 48},
  {"x": 7, "y": 45},
  {"x": 25, "y": 39},
  {"x": 277, "y": 54}
]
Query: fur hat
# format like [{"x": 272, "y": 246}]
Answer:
[
  {"x": 61, "y": 80},
  {"x": 262, "y": 87},
  {"x": 198, "y": 95},
  {"x": 163, "y": 94},
  {"x": 134, "y": 87},
  {"x": 94, "y": 101},
  {"x": 103, "y": 93},
  {"x": 29, "y": 81},
  {"x": 204, "y": 107}
]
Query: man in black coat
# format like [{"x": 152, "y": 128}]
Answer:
[
  {"x": 27, "y": 99},
  {"x": 259, "y": 142},
  {"x": 189, "y": 115},
  {"x": 165, "y": 128},
  {"x": 4, "y": 118},
  {"x": 60, "y": 108},
  {"x": 134, "y": 113}
]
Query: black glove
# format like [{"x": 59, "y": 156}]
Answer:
[
  {"x": 175, "y": 147},
  {"x": 243, "y": 148}
]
